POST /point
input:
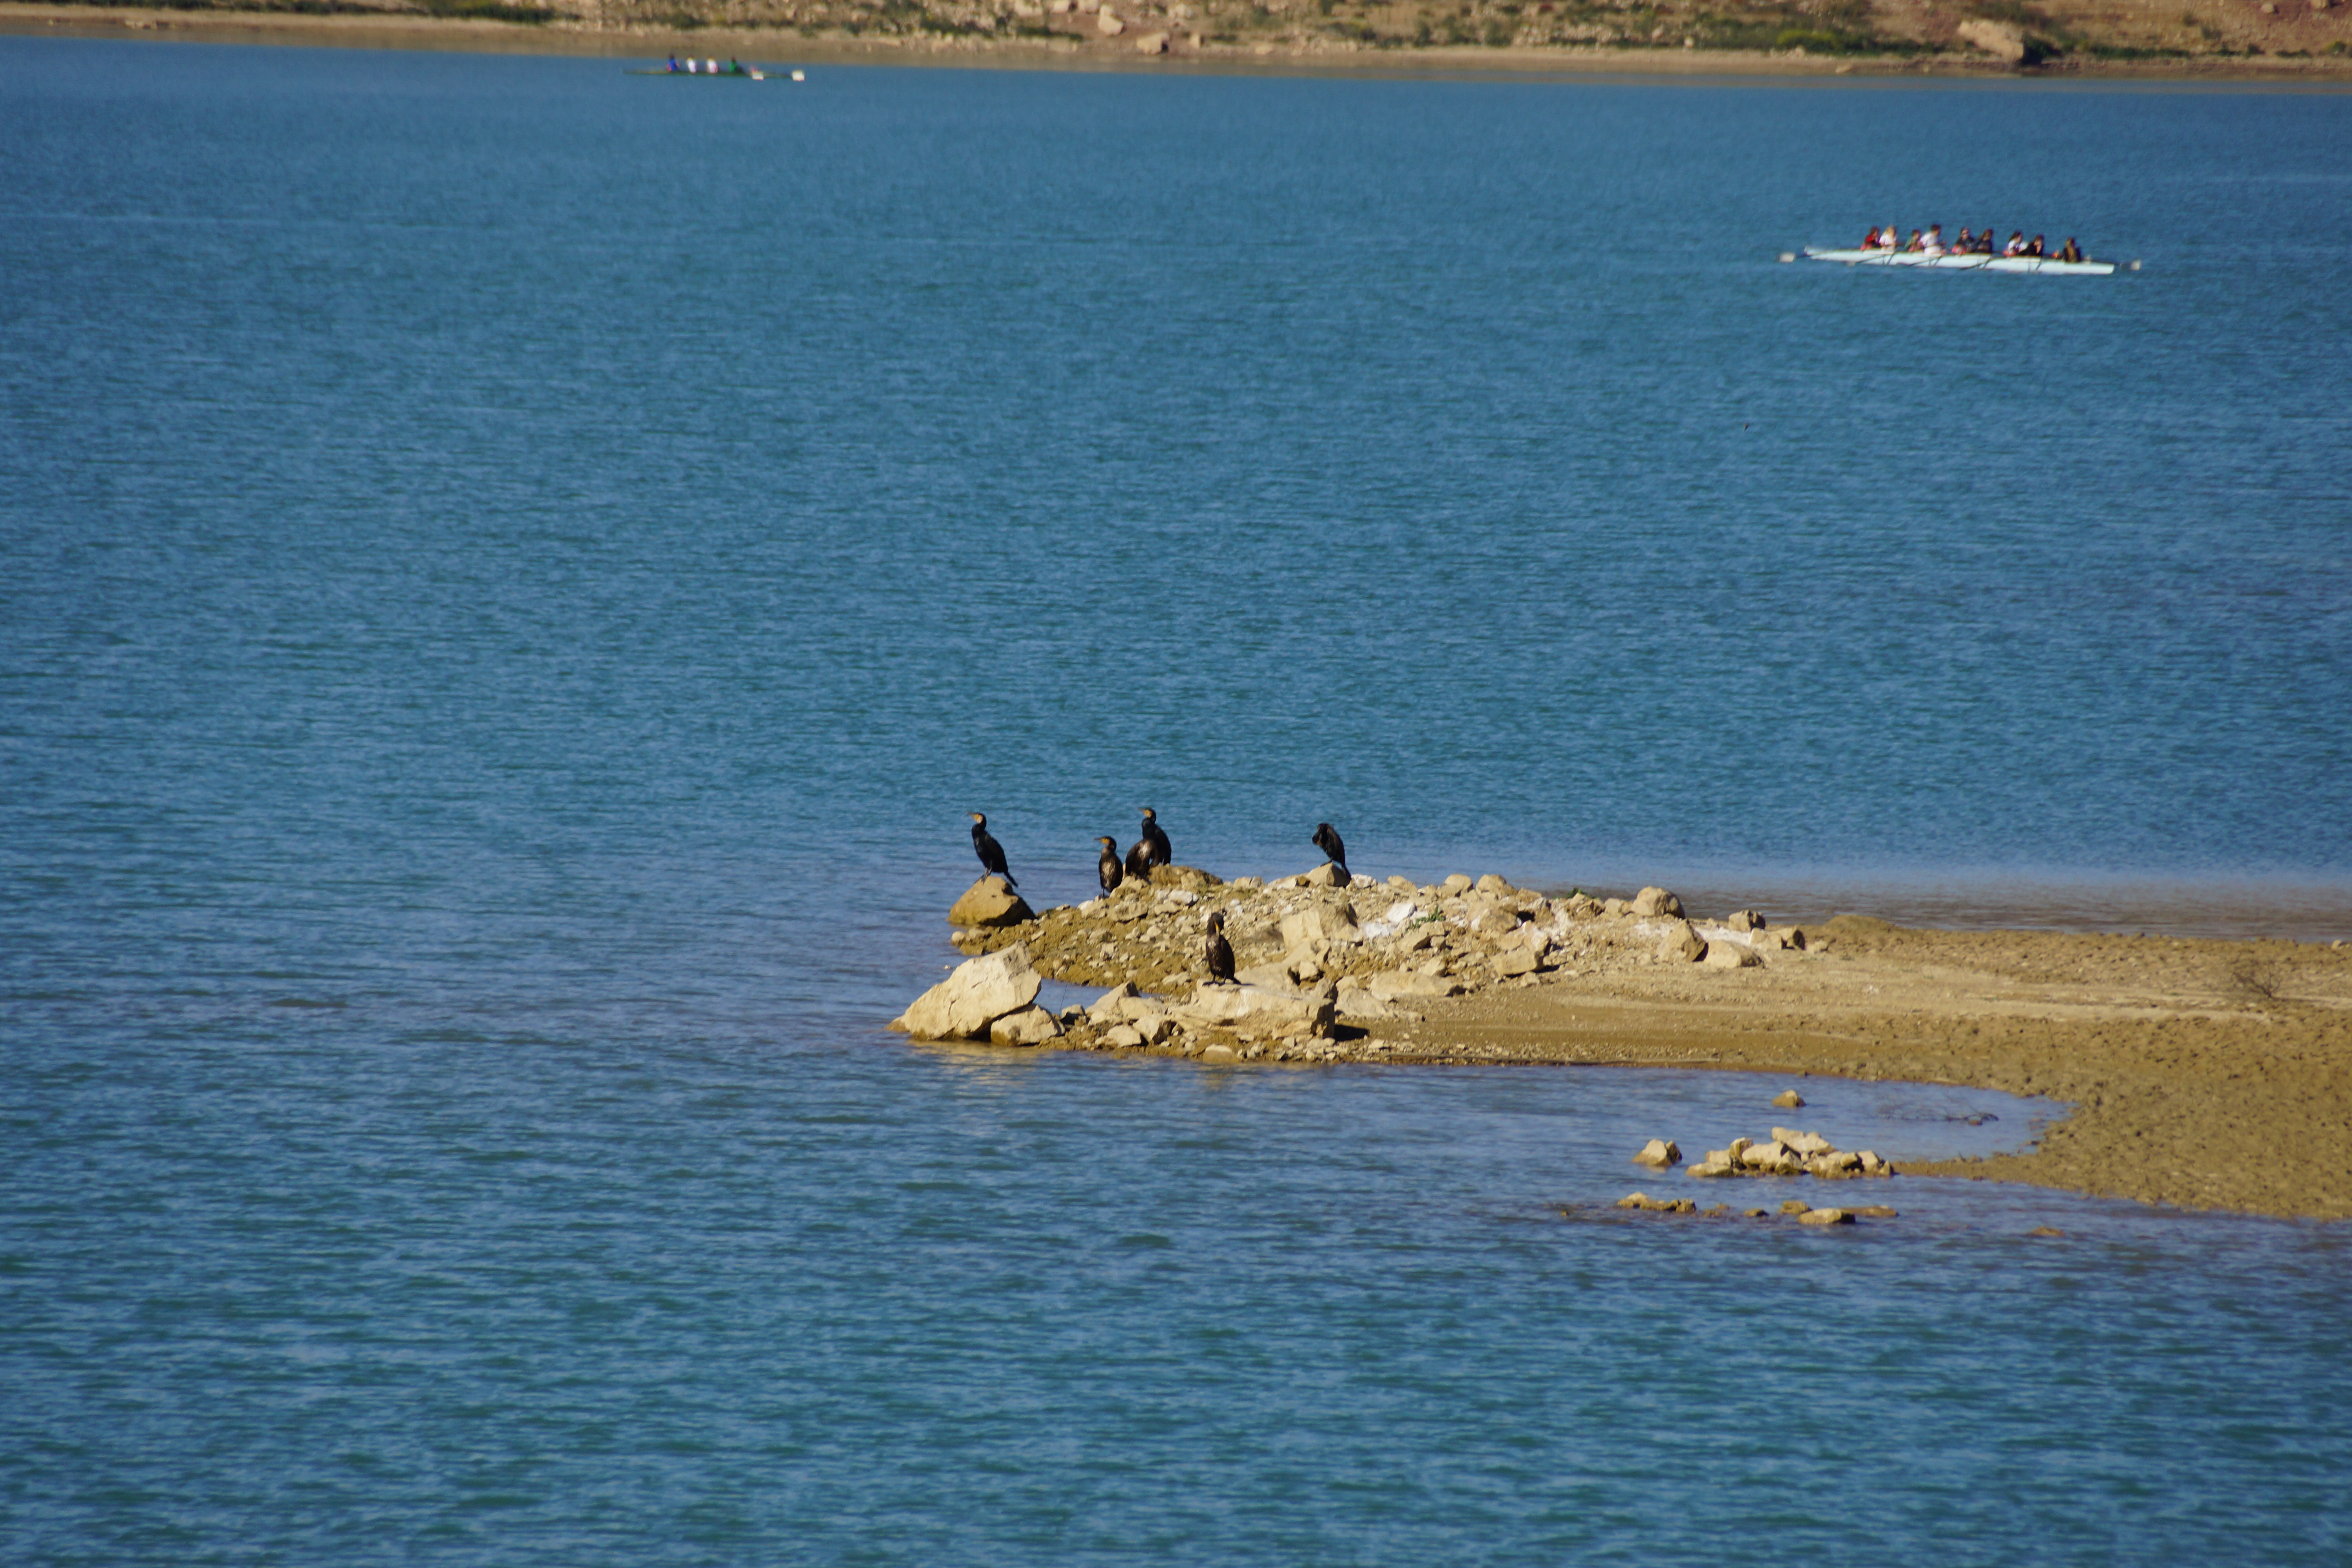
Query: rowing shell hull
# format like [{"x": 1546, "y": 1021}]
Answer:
[{"x": 1961, "y": 263}]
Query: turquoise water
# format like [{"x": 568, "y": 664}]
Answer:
[{"x": 515, "y": 572}]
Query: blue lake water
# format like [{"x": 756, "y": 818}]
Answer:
[{"x": 514, "y": 574}]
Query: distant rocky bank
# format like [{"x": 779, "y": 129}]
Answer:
[
  {"x": 2279, "y": 38},
  {"x": 2206, "y": 1074}
]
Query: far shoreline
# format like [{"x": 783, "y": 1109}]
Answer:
[{"x": 786, "y": 47}]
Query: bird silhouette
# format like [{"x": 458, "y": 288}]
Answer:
[{"x": 990, "y": 853}]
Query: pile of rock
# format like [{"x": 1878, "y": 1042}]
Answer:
[
  {"x": 1789, "y": 1152},
  {"x": 1314, "y": 951}
]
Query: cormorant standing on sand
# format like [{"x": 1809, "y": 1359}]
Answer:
[
  {"x": 990, "y": 853},
  {"x": 1220, "y": 950},
  {"x": 1155, "y": 842},
  {"x": 1327, "y": 839},
  {"x": 1107, "y": 871}
]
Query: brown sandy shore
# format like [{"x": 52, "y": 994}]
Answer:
[
  {"x": 2204, "y": 1073},
  {"x": 399, "y": 30}
]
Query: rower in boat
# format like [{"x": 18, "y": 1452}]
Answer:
[
  {"x": 1966, "y": 244},
  {"x": 1870, "y": 240},
  {"x": 2072, "y": 252},
  {"x": 2016, "y": 246},
  {"x": 673, "y": 64},
  {"x": 1933, "y": 244},
  {"x": 1915, "y": 246}
]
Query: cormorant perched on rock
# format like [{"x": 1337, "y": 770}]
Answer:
[
  {"x": 1220, "y": 950},
  {"x": 1327, "y": 839},
  {"x": 990, "y": 853},
  {"x": 1155, "y": 842},
  {"x": 1107, "y": 868},
  {"x": 1139, "y": 862}
]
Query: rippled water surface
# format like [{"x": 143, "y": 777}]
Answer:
[{"x": 514, "y": 574}]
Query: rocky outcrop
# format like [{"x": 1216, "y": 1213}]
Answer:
[
  {"x": 1660, "y": 1153},
  {"x": 991, "y": 902},
  {"x": 979, "y": 993},
  {"x": 1789, "y": 1152},
  {"x": 1381, "y": 949}
]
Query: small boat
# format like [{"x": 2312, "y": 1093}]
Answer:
[{"x": 1970, "y": 262}]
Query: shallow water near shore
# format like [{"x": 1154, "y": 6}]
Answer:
[{"x": 515, "y": 578}]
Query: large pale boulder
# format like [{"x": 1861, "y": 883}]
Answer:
[
  {"x": 1652, "y": 902},
  {"x": 1493, "y": 887},
  {"x": 1030, "y": 1026},
  {"x": 1330, "y": 874},
  {"x": 1108, "y": 24},
  {"x": 978, "y": 993},
  {"x": 989, "y": 901},
  {"x": 1804, "y": 1142},
  {"x": 1825, "y": 1216},
  {"x": 2002, "y": 40},
  {"x": 1681, "y": 944},
  {"x": 1112, "y": 1004},
  {"x": 1262, "y": 1009},
  {"x": 1745, "y": 920},
  {"x": 1331, "y": 920},
  {"x": 1189, "y": 878},
  {"x": 1514, "y": 959},
  {"x": 1788, "y": 1099},
  {"x": 1659, "y": 1151},
  {"x": 1729, "y": 954},
  {"x": 1154, "y": 43},
  {"x": 1454, "y": 886}
]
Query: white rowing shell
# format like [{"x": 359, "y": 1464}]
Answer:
[{"x": 1961, "y": 263}]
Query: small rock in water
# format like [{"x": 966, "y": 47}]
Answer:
[
  {"x": 1788, "y": 1099},
  {"x": 1659, "y": 1151},
  {"x": 1825, "y": 1216}
]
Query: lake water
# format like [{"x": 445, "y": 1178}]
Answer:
[{"x": 515, "y": 572}]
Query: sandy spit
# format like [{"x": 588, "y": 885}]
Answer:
[
  {"x": 769, "y": 46},
  {"x": 2206, "y": 1075}
]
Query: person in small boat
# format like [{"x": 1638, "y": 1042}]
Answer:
[
  {"x": 1918, "y": 244},
  {"x": 2033, "y": 246},
  {"x": 1984, "y": 241},
  {"x": 1934, "y": 243},
  {"x": 1870, "y": 240},
  {"x": 711, "y": 68},
  {"x": 673, "y": 64},
  {"x": 2072, "y": 252},
  {"x": 2016, "y": 246},
  {"x": 735, "y": 67},
  {"x": 1966, "y": 244}
]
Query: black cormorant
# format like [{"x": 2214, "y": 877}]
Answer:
[
  {"x": 1155, "y": 842},
  {"x": 1107, "y": 868},
  {"x": 990, "y": 853},
  {"x": 1327, "y": 839},
  {"x": 1220, "y": 950}
]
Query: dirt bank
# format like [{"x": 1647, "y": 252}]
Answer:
[{"x": 2078, "y": 37}]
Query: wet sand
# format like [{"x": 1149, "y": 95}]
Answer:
[{"x": 2211, "y": 1075}]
